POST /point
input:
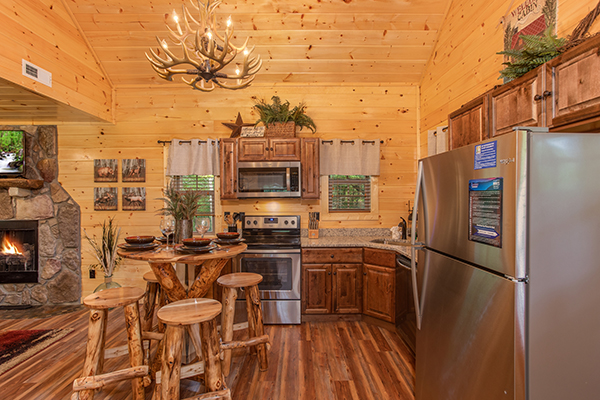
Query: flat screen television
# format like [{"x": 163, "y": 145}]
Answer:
[{"x": 12, "y": 154}]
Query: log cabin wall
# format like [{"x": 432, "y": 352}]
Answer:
[
  {"x": 464, "y": 63},
  {"x": 147, "y": 114},
  {"x": 45, "y": 34}
]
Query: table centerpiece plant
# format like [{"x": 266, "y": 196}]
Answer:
[
  {"x": 182, "y": 206},
  {"x": 104, "y": 250}
]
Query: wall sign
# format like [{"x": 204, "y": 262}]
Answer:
[{"x": 485, "y": 211}]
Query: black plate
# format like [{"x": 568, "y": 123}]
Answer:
[
  {"x": 147, "y": 246},
  {"x": 194, "y": 250},
  {"x": 229, "y": 241}
]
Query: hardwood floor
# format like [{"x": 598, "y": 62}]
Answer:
[{"x": 316, "y": 360}]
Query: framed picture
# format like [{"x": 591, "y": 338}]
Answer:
[
  {"x": 106, "y": 170},
  {"x": 134, "y": 170},
  {"x": 134, "y": 199},
  {"x": 105, "y": 199}
]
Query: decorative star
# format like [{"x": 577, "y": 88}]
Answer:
[{"x": 237, "y": 127}]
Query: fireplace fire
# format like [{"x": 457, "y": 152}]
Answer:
[{"x": 18, "y": 252}]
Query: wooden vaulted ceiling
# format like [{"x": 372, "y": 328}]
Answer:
[{"x": 299, "y": 41}]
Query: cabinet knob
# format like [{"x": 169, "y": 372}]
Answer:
[
  {"x": 537, "y": 97},
  {"x": 335, "y": 273},
  {"x": 332, "y": 256},
  {"x": 329, "y": 273},
  {"x": 546, "y": 93},
  {"x": 364, "y": 273}
]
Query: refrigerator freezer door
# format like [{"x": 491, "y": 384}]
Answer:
[
  {"x": 466, "y": 347},
  {"x": 564, "y": 267},
  {"x": 446, "y": 202}
]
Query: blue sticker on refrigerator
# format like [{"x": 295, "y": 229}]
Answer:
[
  {"x": 485, "y": 155},
  {"x": 485, "y": 211}
]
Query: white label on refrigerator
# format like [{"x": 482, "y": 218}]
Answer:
[
  {"x": 485, "y": 155},
  {"x": 485, "y": 211}
]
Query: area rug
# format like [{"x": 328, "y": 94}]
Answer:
[{"x": 19, "y": 345}]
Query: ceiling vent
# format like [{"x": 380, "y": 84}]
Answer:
[{"x": 36, "y": 73}]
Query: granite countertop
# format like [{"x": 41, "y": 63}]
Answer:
[{"x": 347, "y": 239}]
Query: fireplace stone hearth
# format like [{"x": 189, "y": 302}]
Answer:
[{"x": 59, "y": 223}]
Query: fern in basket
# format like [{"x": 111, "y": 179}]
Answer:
[
  {"x": 536, "y": 51},
  {"x": 280, "y": 112}
]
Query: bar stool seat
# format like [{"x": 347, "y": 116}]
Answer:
[
  {"x": 257, "y": 340},
  {"x": 181, "y": 315},
  {"x": 92, "y": 377}
]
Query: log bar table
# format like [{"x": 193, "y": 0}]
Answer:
[
  {"x": 161, "y": 261},
  {"x": 208, "y": 268}
]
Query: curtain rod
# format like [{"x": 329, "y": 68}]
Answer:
[
  {"x": 350, "y": 141},
  {"x": 163, "y": 142}
]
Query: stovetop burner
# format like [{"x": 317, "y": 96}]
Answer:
[{"x": 270, "y": 232}]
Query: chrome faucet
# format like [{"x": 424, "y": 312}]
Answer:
[{"x": 402, "y": 225}]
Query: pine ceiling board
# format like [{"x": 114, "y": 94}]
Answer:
[
  {"x": 293, "y": 52},
  {"x": 264, "y": 6},
  {"x": 155, "y": 22}
]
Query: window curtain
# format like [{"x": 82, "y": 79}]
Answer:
[
  {"x": 349, "y": 157},
  {"x": 193, "y": 157}
]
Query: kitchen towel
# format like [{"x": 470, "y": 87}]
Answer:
[{"x": 193, "y": 157}]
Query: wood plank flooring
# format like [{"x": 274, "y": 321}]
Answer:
[{"x": 316, "y": 360}]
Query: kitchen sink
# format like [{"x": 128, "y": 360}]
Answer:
[{"x": 391, "y": 242}]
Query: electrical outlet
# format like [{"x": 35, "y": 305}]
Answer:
[{"x": 92, "y": 274}]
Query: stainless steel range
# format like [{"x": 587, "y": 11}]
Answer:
[{"x": 273, "y": 252}]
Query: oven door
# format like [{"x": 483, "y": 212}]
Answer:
[{"x": 280, "y": 270}]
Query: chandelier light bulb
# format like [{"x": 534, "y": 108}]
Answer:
[
  {"x": 175, "y": 17},
  {"x": 209, "y": 35},
  {"x": 246, "y": 52},
  {"x": 229, "y": 21},
  {"x": 237, "y": 71}
]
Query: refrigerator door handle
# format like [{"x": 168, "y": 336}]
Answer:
[{"x": 413, "y": 249}]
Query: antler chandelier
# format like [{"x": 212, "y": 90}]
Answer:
[{"x": 208, "y": 52}]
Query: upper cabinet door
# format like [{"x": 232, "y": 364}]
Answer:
[
  {"x": 284, "y": 149},
  {"x": 576, "y": 84},
  {"x": 519, "y": 103},
  {"x": 228, "y": 168},
  {"x": 310, "y": 168},
  {"x": 252, "y": 149},
  {"x": 469, "y": 124}
]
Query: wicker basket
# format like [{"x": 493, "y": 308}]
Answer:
[{"x": 281, "y": 129}]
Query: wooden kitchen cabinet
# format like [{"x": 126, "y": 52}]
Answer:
[
  {"x": 522, "y": 102},
  {"x": 228, "y": 168},
  {"x": 332, "y": 281},
  {"x": 269, "y": 149},
  {"x": 470, "y": 123},
  {"x": 385, "y": 286},
  {"x": 310, "y": 168},
  {"x": 576, "y": 86}
]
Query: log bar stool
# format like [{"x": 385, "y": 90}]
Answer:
[
  {"x": 177, "y": 316},
  {"x": 153, "y": 291},
  {"x": 256, "y": 332},
  {"x": 99, "y": 303}
]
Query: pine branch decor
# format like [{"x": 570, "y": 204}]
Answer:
[{"x": 536, "y": 51}]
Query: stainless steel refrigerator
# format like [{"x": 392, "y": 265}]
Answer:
[{"x": 508, "y": 280}]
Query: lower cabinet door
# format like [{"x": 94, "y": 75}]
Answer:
[
  {"x": 347, "y": 288},
  {"x": 379, "y": 292},
  {"x": 316, "y": 285}
]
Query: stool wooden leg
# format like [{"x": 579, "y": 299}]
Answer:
[
  {"x": 171, "y": 362},
  {"x": 149, "y": 304},
  {"x": 255, "y": 315},
  {"x": 213, "y": 377},
  {"x": 136, "y": 352},
  {"x": 94, "y": 355},
  {"x": 250, "y": 312},
  {"x": 162, "y": 301},
  {"x": 229, "y": 297}
]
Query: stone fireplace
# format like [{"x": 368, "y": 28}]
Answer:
[{"x": 40, "y": 199}]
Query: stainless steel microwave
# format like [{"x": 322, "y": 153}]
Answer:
[{"x": 268, "y": 179}]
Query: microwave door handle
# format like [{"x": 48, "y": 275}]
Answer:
[{"x": 287, "y": 179}]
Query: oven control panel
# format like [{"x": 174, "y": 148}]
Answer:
[{"x": 272, "y": 222}]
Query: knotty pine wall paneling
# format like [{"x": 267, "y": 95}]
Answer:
[
  {"x": 45, "y": 34},
  {"x": 147, "y": 114},
  {"x": 464, "y": 63}
]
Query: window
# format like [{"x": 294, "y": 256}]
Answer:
[
  {"x": 349, "y": 193},
  {"x": 204, "y": 184}
]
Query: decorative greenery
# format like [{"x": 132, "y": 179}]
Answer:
[
  {"x": 536, "y": 51},
  {"x": 105, "y": 251},
  {"x": 180, "y": 204},
  {"x": 280, "y": 112}
]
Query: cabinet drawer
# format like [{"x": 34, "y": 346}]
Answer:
[
  {"x": 384, "y": 258},
  {"x": 332, "y": 255}
]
